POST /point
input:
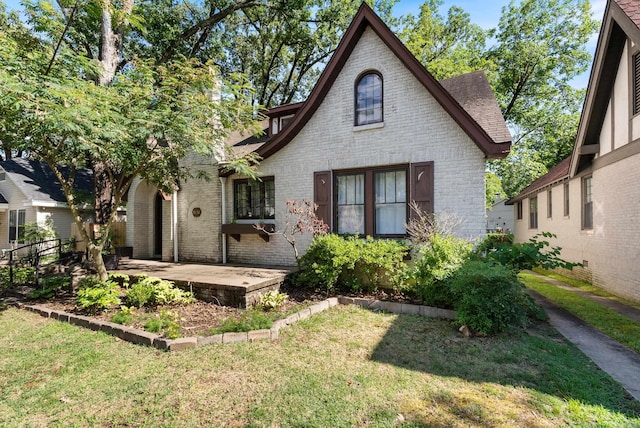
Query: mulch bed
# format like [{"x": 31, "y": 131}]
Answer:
[{"x": 199, "y": 318}]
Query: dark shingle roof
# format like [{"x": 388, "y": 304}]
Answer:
[
  {"x": 556, "y": 173},
  {"x": 38, "y": 182},
  {"x": 632, "y": 9},
  {"x": 474, "y": 94}
]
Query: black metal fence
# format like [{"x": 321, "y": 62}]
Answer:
[{"x": 39, "y": 255}]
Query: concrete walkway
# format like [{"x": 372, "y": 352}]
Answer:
[{"x": 621, "y": 363}]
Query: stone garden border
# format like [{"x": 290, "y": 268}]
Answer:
[{"x": 142, "y": 337}]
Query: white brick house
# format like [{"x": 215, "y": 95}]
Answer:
[
  {"x": 376, "y": 132},
  {"x": 591, "y": 200}
]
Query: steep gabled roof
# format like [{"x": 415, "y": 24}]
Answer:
[
  {"x": 553, "y": 176},
  {"x": 621, "y": 20},
  {"x": 38, "y": 182},
  {"x": 366, "y": 18},
  {"x": 473, "y": 92}
]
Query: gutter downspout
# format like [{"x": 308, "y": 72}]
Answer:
[
  {"x": 223, "y": 181},
  {"x": 174, "y": 203}
]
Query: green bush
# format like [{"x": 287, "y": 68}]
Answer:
[
  {"x": 271, "y": 300},
  {"x": 98, "y": 298},
  {"x": 49, "y": 286},
  {"x": 155, "y": 291},
  {"x": 494, "y": 241},
  {"x": 351, "y": 263},
  {"x": 140, "y": 294},
  {"x": 489, "y": 298},
  {"x": 121, "y": 279},
  {"x": 435, "y": 262},
  {"x": 527, "y": 255},
  {"x": 21, "y": 276},
  {"x": 89, "y": 282}
]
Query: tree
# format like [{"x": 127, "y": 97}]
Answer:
[
  {"x": 493, "y": 189},
  {"x": 540, "y": 46},
  {"x": 447, "y": 47},
  {"x": 141, "y": 123},
  {"x": 283, "y": 50}
]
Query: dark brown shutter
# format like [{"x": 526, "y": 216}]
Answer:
[
  {"x": 636, "y": 83},
  {"x": 322, "y": 195},
  {"x": 422, "y": 185}
]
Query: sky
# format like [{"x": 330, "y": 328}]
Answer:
[{"x": 483, "y": 13}]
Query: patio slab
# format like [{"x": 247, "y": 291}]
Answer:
[{"x": 232, "y": 285}]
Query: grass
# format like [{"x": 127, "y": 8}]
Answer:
[
  {"x": 585, "y": 286},
  {"x": 608, "y": 321},
  {"x": 343, "y": 367}
]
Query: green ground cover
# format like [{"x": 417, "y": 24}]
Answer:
[{"x": 344, "y": 367}]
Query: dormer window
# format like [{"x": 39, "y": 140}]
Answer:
[
  {"x": 279, "y": 123},
  {"x": 368, "y": 102}
]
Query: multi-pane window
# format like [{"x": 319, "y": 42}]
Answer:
[
  {"x": 587, "y": 203},
  {"x": 255, "y": 199},
  {"x": 549, "y": 204},
  {"x": 351, "y": 203},
  {"x": 373, "y": 201},
  {"x": 566, "y": 199},
  {"x": 368, "y": 99},
  {"x": 391, "y": 202},
  {"x": 16, "y": 226},
  {"x": 533, "y": 213}
]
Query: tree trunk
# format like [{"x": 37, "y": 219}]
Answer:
[
  {"x": 103, "y": 192},
  {"x": 96, "y": 255}
]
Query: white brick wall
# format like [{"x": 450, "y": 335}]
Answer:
[
  {"x": 199, "y": 237},
  {"x": 416, "y": 129},
  {"x": 612, "y": 248}
]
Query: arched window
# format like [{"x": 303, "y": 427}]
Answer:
[{"x": 368, "y": 99}]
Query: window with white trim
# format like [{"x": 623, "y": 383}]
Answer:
[{"x": 16, "y": 225}]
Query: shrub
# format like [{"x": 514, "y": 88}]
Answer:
[
  {"x": 271, "y": 300},
  {"x": 101, "y": 297},
  {"x": 155, "y": 291},
  {"x": 88, "y": 282},
  {"x": 21, "y": 276},
  {"x": 49, "y": 286},
  {"x": 121, "y": 279},
  {"x": 435, "y": 262},
  {"x": 140, "y": 294},
  {"x": 489, "y": 297},
  {"x": 351, "y": 263},
  {"x": 527, "y": 255},
  {"x": 493, "y": 241}
]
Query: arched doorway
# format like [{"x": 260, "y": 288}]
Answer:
[{"x": 157, "y": 225}]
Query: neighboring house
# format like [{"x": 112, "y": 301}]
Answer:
[
  {"x": 500, "y": 217},
  {"x": 376, "y": 132},
  {"x": 591, "y": 200},
  {"x": 30, "y": 193}
]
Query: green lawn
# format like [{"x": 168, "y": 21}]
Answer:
[
  {"x": 344, "y": 367},
  {"x": 608, "y": 321}
]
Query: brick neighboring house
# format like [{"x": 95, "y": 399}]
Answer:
[
  {"x": 376, "y": 132},
  {"x": 30, "y": 193},
  {"x": 591, "y": 200}
]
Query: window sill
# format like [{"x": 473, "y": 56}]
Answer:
[
  {"x": 376, "y": 125},
  {"x": 236, "y": 230}
]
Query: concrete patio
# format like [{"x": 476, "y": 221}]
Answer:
[{"x": 232, "y": 285}]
